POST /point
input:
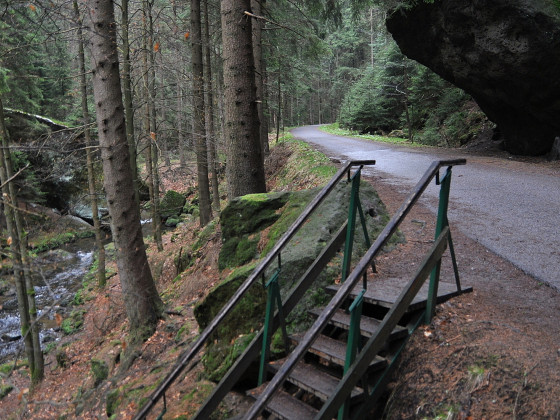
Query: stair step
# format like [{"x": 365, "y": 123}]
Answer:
[
  {"x": 386, "y": 291},
  {"x": 368, "y": 326},
  {"x": 313, "y": 380},
  {"x": 285, "y": 406},
  {"x": 335, "y": 351}
]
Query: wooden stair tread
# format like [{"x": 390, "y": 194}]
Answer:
[
  {"x": 284, "y": 406},
  {"x": 386, "y": 291},
  {"x": 368, "y": 326},
  {"x": 313, "y": 380},
  {"x": 335, "y": 351}
]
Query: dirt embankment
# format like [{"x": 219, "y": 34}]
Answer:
[{"x": 490, "y": 354}]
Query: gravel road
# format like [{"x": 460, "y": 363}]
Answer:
[{"x": 510, "y": 207}]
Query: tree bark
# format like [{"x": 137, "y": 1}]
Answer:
[
  {"x": 245, "y": 168},
  {"x": 209, "y": 111},
  {"x": 259, "y": 74},
  {"x": 142, "y": 302},
  {"x": 127, "y": 91},
  {"x": 24, "y": 287},
  {"x": 199, "y": 120},
  {"x": 101, "y": 279},
  {"x": 156, "y": 217}
]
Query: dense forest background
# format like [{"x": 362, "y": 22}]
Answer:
[{"x": 321, "y": 66}]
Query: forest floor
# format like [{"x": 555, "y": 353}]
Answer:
[{"x": 490, "y": 354}]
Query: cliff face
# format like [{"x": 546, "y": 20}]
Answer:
[{"x": 505, "y": 53}]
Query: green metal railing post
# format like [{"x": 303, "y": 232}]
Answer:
[
  {"x": 353, "y": 343},
  {"x": 354, "y": 199},
  {"x": 441, "y": 223},
  {"x": 273, "y": 299}
]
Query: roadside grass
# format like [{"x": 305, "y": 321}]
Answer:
[
  {"x": 338, "y": 131},
  {"x": 306, "y": 164}
]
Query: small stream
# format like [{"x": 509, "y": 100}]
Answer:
[{"x": 57, "y": 275}]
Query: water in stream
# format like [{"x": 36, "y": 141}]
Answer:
[{"x": 57, "y": 275}]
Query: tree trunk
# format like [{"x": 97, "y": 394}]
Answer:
[
  {"x": 143, "y": 304},
  {"x": 259, "y": 74},
  {"x": 180, "y": 138},
  {"x": 245, "y": 168},
  {"x": 127, "y": 91},
  {"x": 101, "y": 280},
  {"x": 199, "y": 120},
  {"x": 279, "y": 111},
  {"x": 156, "y": 217},
  {"x": 24, "y": 288},
  {"x": 209, "y": 111}
]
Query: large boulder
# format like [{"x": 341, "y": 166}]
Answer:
[{"x": 503, "y": 52}]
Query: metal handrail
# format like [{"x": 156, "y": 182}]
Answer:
[
  {"x": 348, "y": 285},
  {"x": 259, "y": 270}
]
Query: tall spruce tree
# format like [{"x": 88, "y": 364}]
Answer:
[
  {"x": 143, "y": 304},
  {"x": 245, "y": 167}
]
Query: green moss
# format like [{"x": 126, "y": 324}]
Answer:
[
  {"x": 172, "y": 221},
  {"x": 61, "y": 359},
  {"x": 218, "y": 363},
  {"x": 112, "y": 402},
  {"x": 243, "y": 320},
  {"x": 183, "y": 260},
  {"x": 74, "y": 322},
  {"x": 236, "y": 252},
  {"x": 204, "y": 235},
  {"x": 5, "y": 390},
  {"x": 293, "y": 208},
  {"x": 63, "y": 238},
  {"x": 100, "y": 370},
  {"x": 251, "y": 213},
  {"x": 6, "y": 368},
  {"x": 172, "y": 204}
]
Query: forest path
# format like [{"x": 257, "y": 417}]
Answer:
[{"x": 509, "y": 206}]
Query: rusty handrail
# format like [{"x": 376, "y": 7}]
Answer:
[
  {"x": 259, "y": 270},
  {"x": 348, "y": 285}
]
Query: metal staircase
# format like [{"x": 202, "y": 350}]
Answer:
[{"x": 341, "y": 365}]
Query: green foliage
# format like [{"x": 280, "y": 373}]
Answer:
[
  {"x": 376, "y": 101},
  {"x": 336, "y": 130},
  {"x": 37, "y": 67}
]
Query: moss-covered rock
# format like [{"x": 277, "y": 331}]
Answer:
[
  {"x": 240, "y": 245},
  {"x": 238, "y": 251},
  {"x": 251, "y": 213},
  {"x": 241, "y": 221},
  {"x": 244, "y": 319},
  {"x": 172, "y": 204}
]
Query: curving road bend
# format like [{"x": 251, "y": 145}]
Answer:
[{"x": 510, "y": 207}]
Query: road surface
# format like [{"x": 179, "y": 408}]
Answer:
[{"x": 510, "y": 207}]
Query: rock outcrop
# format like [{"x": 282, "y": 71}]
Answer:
[{"x": 502, "y": 52}]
